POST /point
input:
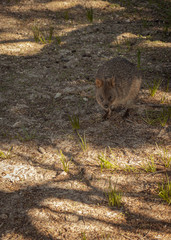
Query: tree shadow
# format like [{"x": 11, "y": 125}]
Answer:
[
  {"x": 41, "y": 81},
  {"x": 42, "y": 107},
  {"x": 17, "y": 205}
]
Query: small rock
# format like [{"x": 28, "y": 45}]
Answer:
[
  {"x": 41, "y": 150},
  {"x": 17, "y": 124},
  {"x": 3, "y": 216},
  {"x": 70, "y": 97},
  {"x": 89, "y": 176},
  {"x": 72, "y": 63},
  {"x": 69, "y": 90},
  {"x": 58, "y": 95},
  {"x": 63, "y": 173},
  {"x": 85, "y": 99}
]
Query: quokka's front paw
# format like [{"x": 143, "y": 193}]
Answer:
[{"x": 106, "y": 115}]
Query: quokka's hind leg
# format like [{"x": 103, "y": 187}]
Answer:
[
  {"x": 128, "y": 109},
  {"x": 126, "y": 113}
]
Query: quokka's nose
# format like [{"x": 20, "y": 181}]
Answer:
[{"x": 106, "y": 106}]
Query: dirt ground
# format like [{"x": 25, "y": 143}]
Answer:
[{"x": 43, "y": 83}]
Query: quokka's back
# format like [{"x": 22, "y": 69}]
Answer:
[{"x": 118, "y": 82}]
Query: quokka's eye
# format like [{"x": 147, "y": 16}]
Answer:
[
  {"x": 101, "y": 98},
  {"x": 110, "y": 98}
]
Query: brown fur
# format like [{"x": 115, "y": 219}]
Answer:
[{"x": 118, "y": 82}]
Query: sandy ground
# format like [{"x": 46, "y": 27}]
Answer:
[{"x": 42, "y": 84}]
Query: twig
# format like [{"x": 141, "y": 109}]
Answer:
[
  {"x": 126, "y": 236},
  {"x": 1, "y": 225},
  {"x": 155, "y": 173},
  {"x": 145, "y": 234}
]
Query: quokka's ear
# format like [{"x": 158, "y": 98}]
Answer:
[
  {"x": 112, "y": 82},
  {"x": 99, "y": 83}
]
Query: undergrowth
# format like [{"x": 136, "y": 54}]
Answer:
[
  {"x": 164, "y": 190},
  {"x": 114, "y": 196}
]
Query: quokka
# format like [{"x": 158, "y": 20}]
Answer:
[{"x": 118, "y": 82}]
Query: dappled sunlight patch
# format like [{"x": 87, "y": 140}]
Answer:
[
  {"x": 55, "y": 183},
  {"x": 154, "y": 44},
  {"x": 10, "y": 20},
  {"x": 138, "y": 204},
  {"x": 8, "y": 37},
  {"x": 81, "y": 208},
  {"x": 140, "y": 40},
  {"x": 62, "y": 222},
  {"x": 21, "y": 48},
  {"x": 79, "y": 204},
  {"x": 70, "y": 186},
  {"x": 56, "y": 5},
  {"x": 22, "y": 173},
  {"x": 12, "y": 235},
  {"x": 65, "y": 31},
  {"x": 162, "y": 97},
  {"x": 66, "y": 223},
  {"x": 102, "y": 4},
  {"x": 126, "y": 37}
]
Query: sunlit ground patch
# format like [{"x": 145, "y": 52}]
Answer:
[{"x": 20, "y": 48}]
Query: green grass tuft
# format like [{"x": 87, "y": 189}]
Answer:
[
  {"x": 114, "y": 197},
  {"x": 89, "y": 12},
  {"x": 104, "y": 162},
  {"x": 129, "y": 168},
  {"x": 64, "y": 161},
  {"x": 149, "y": 166},
  {"x": 58, "y": 40},
  {"x": 165, "y": 158},
  {"x": 66, "y": 15},
  {"x": 75, "y": 122},
  {"x": 164, "y": 191},
  {"x": 158, "y": 117},
  {"x": 83, "y": 142},
  {"x": 39, "y": 36},
  {"x": 51, "y": 30},
  {"x": 83, "y": 236},
  {"x": 4, "y": 155},
  {"x": 154, "y": 86},
  {"x": 164, "y": 116}
]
